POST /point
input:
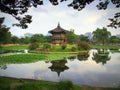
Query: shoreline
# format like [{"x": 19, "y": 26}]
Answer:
[{"x": 53, "y": 82}]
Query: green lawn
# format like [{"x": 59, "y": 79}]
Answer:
[
  {"x": 22, "y": 84},
  {"x": 28, "y": 58},
  {"x": 105, "y": 47},
  {"x": 58, "y": 48},
  {"x": 8, "y": 49},
  {"x": 19, "y": 47}
]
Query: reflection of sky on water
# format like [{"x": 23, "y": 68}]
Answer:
[{"x": 86, "y": 72}]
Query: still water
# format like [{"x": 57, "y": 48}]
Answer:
[{"x": 93, "y": 69}]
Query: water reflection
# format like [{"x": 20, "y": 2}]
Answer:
[
  {"x": 85, "y": 69},
  {"x": 83, "y": 56},
  {"x": 58, "y": 66},
  {"x": 72, "y": 58},
  {"x": 3, "y": 66},
  {"x": 102, "y": 56}
]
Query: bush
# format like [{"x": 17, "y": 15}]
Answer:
[
  {"x": 65, "y": 85},
  {"x": 73, "y": 49},
  {"x": 63, "y": 47},
  {"x": 34, "y": 46},
  {"x": 83, "y": 46},
  {"x": 46, "y": 46}
]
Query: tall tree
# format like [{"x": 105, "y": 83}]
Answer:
[
  {"x": 47, "y": 39},
  {"x": 37, "y": 38},
  {"x": 20, "y": 7},
  {"x": 27, "y": 39},
  {"x": 15, "y": 40},
  {"x": 5, "y": 35},
  {"x": 114, "y": 40},
  {"x": 83, "y": 38},
  {"x": 71, "y": 37},
  {"x": 101, "y": 35}
]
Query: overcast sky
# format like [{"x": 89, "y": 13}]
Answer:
[{"x": 46, "y": 18}]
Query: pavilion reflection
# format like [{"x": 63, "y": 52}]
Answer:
[{"x": 58, "y": 66}]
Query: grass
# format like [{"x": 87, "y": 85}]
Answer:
[
  {"x": 18, "y": 47},
  {"x": 58, "y": 48},
  {"x": 21, "y": 58},
  {"x": 22, "y": 84},
  {"x": 7, "y": 49},
  {"x": 105, "y": 47},
  {"x": 28, "y": 58}
]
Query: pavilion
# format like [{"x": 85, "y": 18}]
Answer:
[{"x": 58, "y": 35}]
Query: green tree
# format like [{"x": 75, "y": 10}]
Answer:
[
  {"x": 22, "y": 40},
  {"x": 38, "y": 38},
  {"x": 5, "y": 35},
  {"x": 27, "y": 40},
  {"x": 47, "y": 39},
  {"x": 34, "y": 46},
  {"x": 71, "y": 37},
  {"x": 114, "y": 40},
  {"x": 15, "y": 40},
  {"x": 101, "y": 35},
  {"x": 83, "y": 38}
]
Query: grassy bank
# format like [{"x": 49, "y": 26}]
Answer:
[
  {"x": 105, "y": 47},
  {"x": 54, "y": 48},
  {"x": 17, "y": 47},
  {"x": 28, "y": 58},
  {"x": 22, "y": 84},
  {"x": 7, "y": 49}
]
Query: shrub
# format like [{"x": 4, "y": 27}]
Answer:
[
  {"x": 65, "y": 85},
  {"x": 46, "y": 46},
  {"x": 63, "y": 47},
  {"x": 83, "y": 46},
  {"x": 73, "y": 49},
  {"x": 34, "y": 46}
]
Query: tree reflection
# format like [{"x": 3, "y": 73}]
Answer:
[
  {"x": 72, "y": 58},
  {"x": 58, "y": 66},
  {"x": 4, "y": 66},
  {"x": 102, "y": 56},
  {"x": 82, "y": 56}
]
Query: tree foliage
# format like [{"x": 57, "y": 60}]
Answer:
[
  {"x": 5, "y": 35},
  {"x": 71, "y": 37},
  {"x": 114, "y": 40},
  {"x": 83, "y": 38},
  {"x": 101, "y": 35},
  {"x": 34, "y": 46},
  {"x": 20, "y": 7},
  {"x": 37, "y": 38},
  {"x": 15, "y": 40}
]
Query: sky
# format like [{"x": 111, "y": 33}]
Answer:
[{"x": 47, "y": 16}]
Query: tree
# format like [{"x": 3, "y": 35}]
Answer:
[
  {"x": 71, "y": 37},
  {"x": 5, "y": 35},
  {"x": 47, "y": 39},
  {"x": 27, "y": 39},
  {"x": 101, "y": 35},
  {"x": 37, "y": 38},
  {"x": 82, "y": 38},
  {"x": 114, "y": 40},
  {"x": 15, "y": 40},
  {"x": 20, "y": 7}
]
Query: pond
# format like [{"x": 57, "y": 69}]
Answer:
[{"x": 97, "y": 68}]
